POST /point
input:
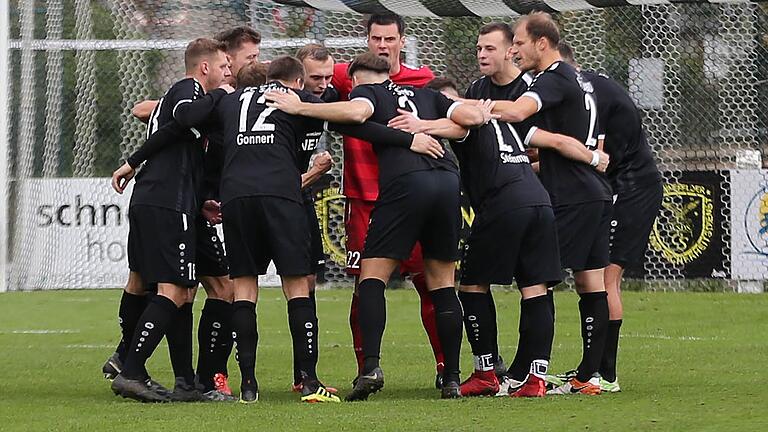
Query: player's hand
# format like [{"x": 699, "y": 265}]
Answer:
[
  {"x": 603, "y": 162},
  {"x": 287, "y": 102},
  {"x": 227, "y": 88},
  {"x": 427, "y": 145},
  {"x": 121, "y": 177},
  {"x": 406, "y": 122},
  {"x": 486, "y": 107},
  {"x": 322, "y": 162},
  {"x": 533, "y": 154},
  {"x": 212, "y": 211}
]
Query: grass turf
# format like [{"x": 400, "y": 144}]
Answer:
[{"x": 688, "y": 361}]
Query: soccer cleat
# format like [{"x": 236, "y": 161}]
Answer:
[
  {"x": 217, "y": 396},
  {"x": 439, "y": 377},
  {"x": 314, "y": 392},
  {"x": 451, "y": 390},
  {"x": 480, "y": 384},
  {"x": 221, "y": 384},
  {"x": 140, "y": 390},
  {"x": 112, "y": 367},
  {"x": 249, "y": 393},
  {"x": 574, "y": 386},
  {"x": 296, "y": 388},
  {"x": 609, "y": 386},
  {"x": 366, "y": 385},
  {"x": 533, "y": 387},
  {"x": 508, "y": 385},
  {"x": 554, "y": 381},
  {"x": 183, "y": 392}
]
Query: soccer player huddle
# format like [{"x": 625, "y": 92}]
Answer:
[{"x": 553, "y": 159}]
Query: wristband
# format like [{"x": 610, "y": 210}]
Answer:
[{"x": 595, "y": 159}]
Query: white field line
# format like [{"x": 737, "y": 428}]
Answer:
[
  {"x": 41, "y": 331},
  {"x": 665, "y": 337}
]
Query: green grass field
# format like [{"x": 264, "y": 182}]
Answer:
[{"x": 689, "y": 361}]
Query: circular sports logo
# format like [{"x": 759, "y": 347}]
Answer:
[
  {"x": 756, "y": 222},
  {"x": 683, "y": 230}
]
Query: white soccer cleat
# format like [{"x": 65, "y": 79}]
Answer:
[
  {"x": 508, "y": 386},
  {"x": 574, "y": 386}
]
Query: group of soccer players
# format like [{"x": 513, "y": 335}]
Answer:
[{"x": 236, "y": 142}]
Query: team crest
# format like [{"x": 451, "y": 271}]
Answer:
[
  {"x": 683, "y": 230},
  {"x": 756, "y": 222},
  {"x": 329, "y": 205}
]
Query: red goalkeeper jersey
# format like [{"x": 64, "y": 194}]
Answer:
[{"x": 361, "y": 168}]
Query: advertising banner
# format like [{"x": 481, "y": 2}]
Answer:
[{"x": 749, "y": 224}]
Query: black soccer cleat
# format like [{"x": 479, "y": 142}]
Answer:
[
  {"x": 184, "y": 392},
  {"x": 249, "y": 392},
  {"x": 112, "y": 367},
  {"x": 140, "y": 390},
  {"x": 366, "y": 385},
  {"x": 450, "y": 390},
  {"x": 439, "y": 381},
  {"x": 499, "y": 368}
]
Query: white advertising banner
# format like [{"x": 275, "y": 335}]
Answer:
[
  {"x": 77, "y": 235},
  {"x": 749, "y": 224}
]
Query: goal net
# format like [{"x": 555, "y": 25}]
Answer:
[{"x": 697, "y": 71}]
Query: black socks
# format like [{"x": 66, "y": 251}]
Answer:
[
  {"x": 151, "y": 328},
  {"x": 448, "y": 319},
  {"x": 593, "y": 311},
  {"x": 477, "y": 324},
  {"x": 372, "y": 309},
  {"x": 304, "y": 333},
  {"x": 608, "y": 363},
  {"x": 131, "y": 308},
  {"x": 247, "y": 337},
  {"x": 214, "y": 338},
  {"x": 179, "y": 337}
]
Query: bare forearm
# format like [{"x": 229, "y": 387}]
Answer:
[
  {"x": 444, "y": 128},
  {"x": 338, "y": 112},
  {"x": 311, "y": 176},
  {"x": 567, "y": 146}
]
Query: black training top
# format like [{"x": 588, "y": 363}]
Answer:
[
  {"x": 427, "y": 104},
  {"x": 484, "y": 88},
  {"x": 632, "y": 162},
  {"x": 566, "y": 106},
  {"x": 493, "y": 156},
  {"x": 171, "y": 178}
]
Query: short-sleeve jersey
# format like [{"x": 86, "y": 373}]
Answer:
[
  {"x": 566, "y": 106},
  {"x": 361, "y": 170},
  {"x": 427, "y": 104},
  {"x": 172, "y": 178},
  {"x": 632, "y": 162},
  {"x": 262, "y": 144},
  {"x": 484, "y": 88},
  {"x": 492, "y": 157}
]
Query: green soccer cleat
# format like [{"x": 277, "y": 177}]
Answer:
[
  {"x": 314, "y": 392},
  {"x": 554, "y": 381},
  {"x": 609, "y": 386}
]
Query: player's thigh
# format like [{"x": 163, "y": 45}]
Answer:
[
  {"x": 210, "y": 256},
  {"x": 441, "y": 220},
  {"x": 490, "y": 253},
  {"x": 248, "y": 249},
  {"x": 634, "y": 214},
  {"x": 580, "y": 227},
  {"x": 287, "y": 232},
  {"x": 396, "y": 220},
  {"x": 539, "y": 260},
  {"x": 167, "y": 246},
  {"x": 356, "y": 218},
  {"x": 316, "y": 237}
]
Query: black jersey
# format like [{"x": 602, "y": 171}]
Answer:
[
  {"x": 484, "y": 88},
  {"x": 632, "y": 162},
  {"x": 261, "y": 144},
  {"x": 493, "y": 156},
  {"x": 172, "y": 177},
  {"x": 426, "y": 104},
  {"x": 566, "y": 106}
]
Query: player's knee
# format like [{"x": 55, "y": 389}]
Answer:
[{"x": 218, "y": 288}]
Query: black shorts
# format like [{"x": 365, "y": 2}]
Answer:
[
  {"x": 582, "y": 230},
  {"x": 161, "y": 246},
  {"x": 318, "y": 256},
  {"x": 633, "y": 215},
  {"x": 421, "y": 206},
  {"x": 211, "y": 258},
  {"x": 517, "y": 244},
  {"x": 263, "y": 229}
]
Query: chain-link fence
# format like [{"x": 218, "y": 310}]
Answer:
[{"x": 697, "y": 71}]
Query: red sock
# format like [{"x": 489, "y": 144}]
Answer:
[
  {"x": 428, "y": 318},
  {"x": 357, "y": 334}
]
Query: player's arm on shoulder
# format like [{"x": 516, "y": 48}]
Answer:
[
  {"x": 199, "y": 112},
  {"x": 516, "y": 111},
  {"x": 444, "y": 127},
  {"x": 355, "y": 111},
  {"x": 143, "y": 110},
  {"x": 568, "y": 147}
]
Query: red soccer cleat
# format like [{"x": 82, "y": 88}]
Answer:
[
  {"x": 480, "y": 384},
  {"x": 533, "y": 387},
  {"x": 221, "y": 384}
]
